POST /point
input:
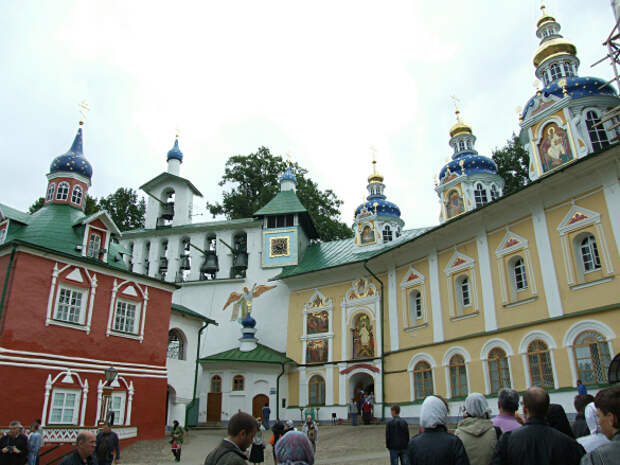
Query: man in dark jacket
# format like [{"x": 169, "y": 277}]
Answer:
[
  {"x": 84, "y": 451},
  {"x": 241, "y": 430},
  {"x": 536, "y": 442},
  {"x": 580, "y": 428},
  {"x": 14, "y": 446},
  {"x": 397, "y": 437},
  {"x": 107, "y": 448}
]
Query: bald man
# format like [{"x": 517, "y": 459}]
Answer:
[
  {"x": 84, "y": 450},
  {"x": 536, "y": 442}
]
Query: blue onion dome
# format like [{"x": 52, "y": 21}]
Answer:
[
  {"x": 73, "y": 161},
  {"x": 288, "y": 175},
  {"x": 467, "y": 163},
  {"x": 175, "y": 152},
  {"x": 381, "y": 206},
  {"x": 248, "y": 321},
  {"x": 573, "y": 87}
]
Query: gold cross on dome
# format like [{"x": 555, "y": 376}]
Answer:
[
  {"x": 456, "y": 102},
  {"x": 543, "y": 8},
  {"x": 177, "y": 131},
  {"x": 83, "y": 109},
  {"x": 288, "y": 158}
]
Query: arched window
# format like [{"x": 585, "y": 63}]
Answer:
[
  {"x": 462, "y": 291},
  {"x": 216, "y": 383},
  {"x": 499, "y": 374},
  {"x": 468, "y": 142},
  {"x": 458, "y": 376},
  {"x": 63, "y": 191},
  {"x": 422, "y": 380},
  {"x": 596, "y": 131},
  {"x": 494, "y": 192},
  {"x": 480, "y": 195},
  {"x": 176, "y": 345},
  {"x": 94, "y": 245},
  {"x": 592, "y": 357},
  {"x": 519, "y": 276},
  {"x": 50, "y": 191},
  {"x": 316, "y": 390},
  {"x": 238, "y": 383},
  {"x": 461, "y": 145},
  {"x": 539, "y": 359},
  {"x": 387, "y": 233},
  {"x": 76, "y": 195},
  {"x": 556, "y": 71},
  {"x": 588, "y": 253},
  {"x": 415, "y": 306},
  {"x": 568, "y": 69}
]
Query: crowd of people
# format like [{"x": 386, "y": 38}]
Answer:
[{"x": 542, "y": 436}]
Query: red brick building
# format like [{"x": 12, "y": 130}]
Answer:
[{"x": 69, "y": 309}]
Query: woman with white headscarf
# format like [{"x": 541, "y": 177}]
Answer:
[
  {"x": 435, "y": 446},
  {"x": 476, "y": 430},
  {"x": 595, "y": 438}
]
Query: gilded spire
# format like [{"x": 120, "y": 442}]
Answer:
[
  {"x": 374, "y": 177},
  {"x": 460, "y": 127}
]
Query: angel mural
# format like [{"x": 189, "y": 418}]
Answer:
[
  {"x": 243, "y": 302},
  {"x": 316, "y": 351},
  {"x": 554, "y": 147},
  {"x": 363, "y": 338}
]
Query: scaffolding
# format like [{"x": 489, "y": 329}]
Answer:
[{"x": 613, "y": 55}]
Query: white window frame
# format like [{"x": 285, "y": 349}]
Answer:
[
  {"x": 494, "y": 192},
  {"x": 463, "y": 287},
  {"x": 387, "y": 234},
  {"x": 461, "y": 265},
  {"x": 136, "y": 321},
  {"x": 77, "y": 193},
  {"x": 416, "y": 311},
  {"x": 597, "y": 135},
  {"x": 4, "y": 231},
  {"x": 51, "y": 189},
  {"x": 118, "y": 290},
  {"x": 480, "y": 195},
  {"x": 514, "y": 264},
  {"x": 83, "y": 300},
  {"x": 559, "y": 74},
  {"x": 590, "y": 249},
  {"x": 413, "y": 281},
  {"x": 76, "y": 408},
  {"x": 120, "y": 418},
  {"x": 91, "y": 251},
  {"x": 62, "y": 192}
]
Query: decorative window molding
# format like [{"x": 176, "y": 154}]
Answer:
[
  {"x": 216, "y": 384},
  {"x": 505, "y": 254},
  {"x": 316, "y": 390},
  {"x": 361, "y": 297},
  {"x": 578, "y": 219},
  {"x": 76, "y": 195},
  {"x": 238, "y": 383},
  {"x": 448, "y": 369},
  {"x": 177, "y": 344},
  {"x": 318, "y": 314},
  {"x": 118, "y": 317},
  {"x": 126, "y": 393},
  {"x": 387, "y": 234},
  {"x": 523, "y": 350},
  {"x": 420, "y": 357},
  {"x": 414, "y": 281},
  {"x": 50, "y": 191},
  {"x": 459, "y": 266},
  {"x": 62, "y": 193},
  {"x": 490, "y": 345},
  {"x": 78, "y": 402},
  {"x": 60, "y": 295}
]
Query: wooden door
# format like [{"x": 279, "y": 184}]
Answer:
[
  {"x": 258, "y": 403},
  {"x": 214, "y": 407}
]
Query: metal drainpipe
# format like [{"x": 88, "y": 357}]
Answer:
[
  {"x": 6, "y": 282},
  {"x": 278, "y": 392},
  {"x": 196, "y": 370},
  {"x": 381, "y": 306}
]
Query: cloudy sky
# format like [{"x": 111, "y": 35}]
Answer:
[{"x": 324, "y": 80}]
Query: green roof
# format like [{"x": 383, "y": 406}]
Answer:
[
  {"x": 262, "y": 354},
  {"x": 324, "y": 255},
  {"x": 284, "y": 202},
  {"x": 13, "y": 214},
  {"x": 157, "y": 179},
  {"x": 188, "y": 312}
]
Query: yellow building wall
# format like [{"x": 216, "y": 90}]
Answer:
[
  {"x": 293, "y": 388},
  {"x": 574, "y": 300},
  {"x": 420, "y": 335}
]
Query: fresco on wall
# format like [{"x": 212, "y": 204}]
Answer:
[
  {"x": 318, "y": 322},
  {"x": 316, "y": 351},
  {"x": 554, "y": 147},
  {"x": 368, "y": 235},
  {"x": 454, "y": 205},
  {"x": 363, "y": 338}
]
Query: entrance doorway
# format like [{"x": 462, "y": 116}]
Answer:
[
  {"x": 214, "y": 400},
  {"x": 259, "y": 401},
  {"x": 360, "y": 383}
]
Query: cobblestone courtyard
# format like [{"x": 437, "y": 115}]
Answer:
[{"x": 361, "y": 445}]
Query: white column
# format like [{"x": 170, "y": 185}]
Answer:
[
  {"x": 329, "y": 385},
  {"x": 303, "y": 387},
  {"x": 393, "y": 309},
  {"x": 99, "y": 396},
  {"x": 486, "y": 284},
  {"x": 342, "y": 386},
  {"x": 197, "y": 258},
  {"x": 129, "y": 404},
  {"x": 50, "y": 300},
  {"x": 46, "y": 399},
  {"x": 343, "y": 331},
  {"x": 433, "y": 263},
  {"x": 84, "y": 399},
  {"x": 138, "y": 256},
  {"x": 154, "y": 254},
  {"x": 224, "y": 255},
  {"x": 174, "y": 251},
  {"x": 611, "y": 189},
  {"x": 549, "y": 276}
]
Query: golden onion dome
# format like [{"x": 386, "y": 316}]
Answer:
[
  {"x": 553, "y": 47},
  {"x": 375, "y": 177},
  {"x": 545, "y": 18},
  {"x": 459, "y": 127}
]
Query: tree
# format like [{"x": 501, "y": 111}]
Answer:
[
  {"x": 513, "y": 163},
  {"x": 254, "y": 182},
  {"x": 90, "y": 207},
  {"x": 125, "y": 208}
]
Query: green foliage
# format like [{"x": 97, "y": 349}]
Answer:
[
  {"x": 125, "y": 208},
  {"x": 90, "y": 207},
  {"x": 512, "y": 165},
  {"x": 254, "y": 182}
]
